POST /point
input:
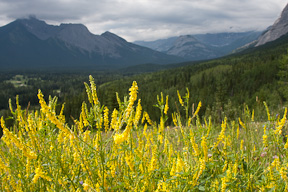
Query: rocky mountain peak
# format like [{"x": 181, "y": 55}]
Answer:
[
  {"x": 278, "y": 29},
  {"x": 112, "y": 37},
  {"x": 38, "y": 27}
]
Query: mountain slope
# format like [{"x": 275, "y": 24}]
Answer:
[
  {"x": 220, "y": 83},
  {"x": 202, "y": 46},
  {"x": 278, "y": 29},
  {"x": 31, "y": 43}
]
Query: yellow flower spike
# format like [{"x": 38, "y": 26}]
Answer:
[
  {"x": 252, "y": 118},
  {"x": 278, "y": 129},
  {"x": 221, "y": 136},
  {"x": 204, "y": 148},
  {"x": 180, "y": 166},
  {"x": 138, "y": 113},
  {"x": 114, "y": 116},
  {"x": 174, "y": 119},
  {"x": 106, "y": 119},
  {"x": 180, "y": 99},
  {"x": 132, "y": 98},
  {"x": 86, "y": 185},
  {"x": 93, "y": 90},
  {"x": 166, "y": 105},
  {"x": 265, "y": 137},
  {"x": 198, "y": 109},
  {"x": 224, "y": 184},
  {"x": 242, "y": 146},
  {"x": 119, "y": 138},
  {"x": 267, "y": 110},
  {"x": 201, "y": 169},
  {"x": 51, "y": 116},
  {"x": 173, "y": 168},
  {"x": 129, "y": 160},
  {"x": 84, "y": 112},
  {"x": 194, "y": 144},
  {"x": 146, "y": 116},
  {"x": 39, "y": 173},
  {"x": 238, "y": 131},
  {"x": 283, "y": 173},
  {"x": 242, "y": 124}
]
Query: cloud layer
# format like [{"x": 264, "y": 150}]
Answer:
[{"x": 149, "y": 19}]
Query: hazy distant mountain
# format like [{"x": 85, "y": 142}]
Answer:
[
  {"x": 191, "y": 48},
  {"x": 202, "y": 46},
  {"x": 31, "y": 43},
  {"x": 278, "y": 29},
  {"x": 158, "y": 45}
]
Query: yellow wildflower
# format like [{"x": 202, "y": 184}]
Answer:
[
  {"x": 133, "y": 96},
  {"x": 39, "y": 173},
  {"x": 113, "y": 123},
  {"x": 205, "y": 148},
  {"x": 106, "y": 119},
  {"x": 180, "y": 99},
  {"x": 198, "y": 109},
  {"x": 242, "y": 124},
  {"x": 166, "y": 106},
  {"x": 265, "y": 137},
  {"x": 138, "y": 113},
  {"x": 267, "y": 110},
  {"x": 93, "y": 90},
  {"x": 278, "y": 129}
]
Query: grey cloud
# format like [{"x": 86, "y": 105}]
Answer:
[{"x": 149, "y": 19}]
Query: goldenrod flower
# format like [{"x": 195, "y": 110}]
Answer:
[
  {"x": 194, "y": 144},
  {"x": 166, "y": 106},
  {"x": 283, "y": 173},
  {"x": 113, "y": 123},
  {"x": 180, "y": 166},
  {"x": 278, "y": 129},
  {"x": 174, "y": 119},
  {"x": 180, "y": 99},
  {"x": 138, "y": 113},
  {"x": 39, "y": 173},
  {"x": 204, "y": 148},
  {"x": 198, "y": 109},
  {"x": 93, "y": 90},
  {"x": 221, "y": 136},
  {"x": 129, "y": 161},
  {"x": 106, "y": 119},
  {"x": 173, "y": 169},
  {"x": 267, "y": 110},
  {"x": 224, "y": 184},
  {"x": 265, "y": 137},
  {"x": 133, "y": 96},
  {"x": 242, "y": 124},
  {"x": 146, "y": 116},
  {"x": 86, "y": 185}
]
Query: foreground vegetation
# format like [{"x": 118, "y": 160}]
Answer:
[{"x": 124, "y": 150}]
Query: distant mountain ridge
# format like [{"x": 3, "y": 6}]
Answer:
[
  {"x": 31, "y": 43},
  {"x": 202, "y": 46}
]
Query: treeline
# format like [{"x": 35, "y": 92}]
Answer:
[
  {"x": 227, "y": 87},
  {"x": 67, "y": 87}
]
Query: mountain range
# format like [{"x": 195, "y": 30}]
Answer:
[{"x": 32, "y": 44}]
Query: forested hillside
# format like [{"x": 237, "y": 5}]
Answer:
[{"x": 225, "y": 86}]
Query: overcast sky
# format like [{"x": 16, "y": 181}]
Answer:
[{"x": 149, "y": 19}]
